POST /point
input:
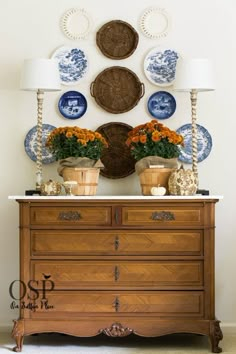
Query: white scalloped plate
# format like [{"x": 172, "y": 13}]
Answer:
[
  {"x": 76, "y": 23},
  {"x": 155, "y": 22}
]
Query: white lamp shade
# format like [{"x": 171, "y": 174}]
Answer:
[
  {"x": 40, "y": 74},
  {"x": 193, "y": 74}
]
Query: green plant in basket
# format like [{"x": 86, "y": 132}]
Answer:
[
  {"x": 154, "y": 139},
  {"x": 64, "y": 142}
]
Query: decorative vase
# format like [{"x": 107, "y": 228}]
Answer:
[
  {"x": 182, "y": 182},
  {"x": 86, "y": 178}
]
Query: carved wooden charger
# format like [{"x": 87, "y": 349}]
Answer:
[
  {"x": 118, "y": 162},
  {"x": 117, "y": 89},
  {"x": 117, "y": 39}
]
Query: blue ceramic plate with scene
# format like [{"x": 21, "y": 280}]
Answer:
[
  {"x": 31, "y": 144},
  {"x": 73, "y": 64},
  {"x": 204, "y": 143},
  {"x": 161, "y": 105},
  {"x": 72, "y": 105},
  {"x": 160, "y": 66}
]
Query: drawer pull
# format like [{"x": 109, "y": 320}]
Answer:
[
  {"x": 69, "y": 215},
  {"x": 117, "y": 304},
  {"x": 163, "y": 215},
  {"x": 117, "y": 243},
  {"x": 116, "y": 273}
]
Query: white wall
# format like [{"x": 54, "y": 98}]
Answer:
[{"x": 30, "y": 28}]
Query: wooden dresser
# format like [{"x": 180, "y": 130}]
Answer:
[{"x": 117, "y": 265}]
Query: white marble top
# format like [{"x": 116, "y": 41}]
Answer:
[{"x": 118, "y": 197}]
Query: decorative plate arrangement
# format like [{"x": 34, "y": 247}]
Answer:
[
  {"x": 160, "y": 66},
  {"x": 30, "y": 144},
  {"x": 117, "y": 39},
  {"x": 118, "y": 162},
  {"x": 204, "y": 143},
  {"x": 73, "y": 64},
  {"x": 155, "y": 23},
  {"x": 76, "y": 23},
  {"x": 161, "y": 105},
  {"x": 117, "y": 89},
  {"x": 72, "y": 105}
]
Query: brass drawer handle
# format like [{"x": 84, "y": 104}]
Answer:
[
  {"x": 116, "y": 243},
  {"x": 116, "y": 273},
  {"x": 69, "y": 215},
  {"x": 163, "y": 216},
  {"x": 116, "y": 304}
]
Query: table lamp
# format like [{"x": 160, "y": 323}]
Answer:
[
  {"x": 40, "y": 75},
  {"x": 194, "y": 75}
]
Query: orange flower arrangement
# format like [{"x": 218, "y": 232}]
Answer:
[
  {"x": 153, "y": 139},
  {"x": 66, "y": 142}
]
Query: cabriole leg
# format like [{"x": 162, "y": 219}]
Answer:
[
  {"x": 215, "y": 336},
  {"x": 18, "y": 334}
]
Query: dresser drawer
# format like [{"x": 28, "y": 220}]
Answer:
[
  {"x": 83, "y": 242},
  {"x": 162, "y": 216},
  {"x": 85, "y": 215},
  {"x": 120, "y": 274},
  {"x": 66, "y": 304}
]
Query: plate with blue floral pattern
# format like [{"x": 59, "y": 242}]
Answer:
[
  {"x": 30, "y": 144},
  {"x": 204, "y": 143},
  {"x": 72, "y": 105},
  {"x": 160, "y": 66},
  {"x": 73, "y": 64},
  {"x": 161, "y": 105}
]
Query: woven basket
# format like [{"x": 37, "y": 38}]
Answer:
[
  {"x": 87, "y": 179},
  {"x": 117, "y": 160},
  {"x": 117, "y": 89},
  {"x": 153, "y": 177},
  {"x": 117, "y": 39}
]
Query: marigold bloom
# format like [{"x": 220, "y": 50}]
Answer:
[
  {"x": 69, "y": 134},
  {"x": 143, "y": 139},
  {"x": 83, "y": 142},
  {"x": 156, "y": 137},
  {"x": 135, "y": 139},
  {"x": 97, "y": 135}
]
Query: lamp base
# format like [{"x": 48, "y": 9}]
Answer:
[
  {"x": 32, "y": 192},
  {"x": 203, "y": 192}
]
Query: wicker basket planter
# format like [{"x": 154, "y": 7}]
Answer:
[
  {"x": 153, "y": 177},
  {"x": 86, "y": 178}
]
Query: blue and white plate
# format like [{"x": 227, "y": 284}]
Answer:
[
  {"x": 31, "y": 144},
  {"x": 161, "y": 105},
  {"x": 160, "y": 66},
  {"x": 73, "y": 64},
  {"x": 204, "y": 143},
  {"x": 72, "y": 105}
]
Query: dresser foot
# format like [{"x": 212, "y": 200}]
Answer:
[
  {"x": 18, "y": 335},
  {"x": 215, "y": 336}
]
